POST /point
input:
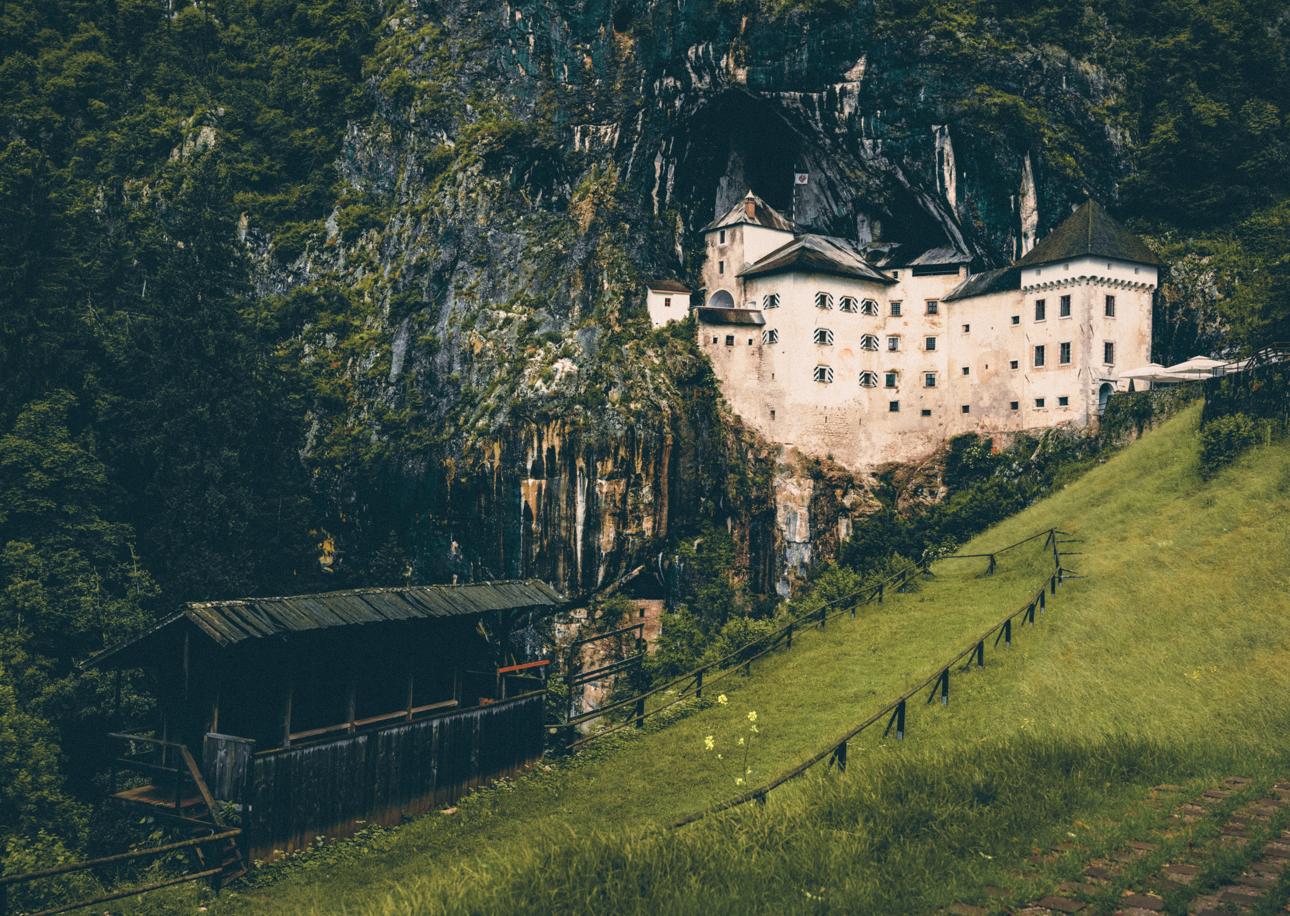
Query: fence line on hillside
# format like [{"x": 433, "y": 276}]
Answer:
[
  {"x": 895, "y": 712},
  {"x": 693, "y": 682}
]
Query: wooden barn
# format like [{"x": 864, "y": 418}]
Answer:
[{"x": 313, "y": 715}]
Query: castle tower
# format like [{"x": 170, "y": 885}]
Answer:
[{"x": 748, "y": 231}]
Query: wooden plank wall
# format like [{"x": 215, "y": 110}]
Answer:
[{"x": 379, "y": 777}]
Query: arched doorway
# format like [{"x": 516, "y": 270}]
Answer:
[
  {"x": 1104, "y": 395},
  {"x": 721, "y": 300}
]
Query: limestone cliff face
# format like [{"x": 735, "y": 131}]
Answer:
[{"x": 487, "y": 393}]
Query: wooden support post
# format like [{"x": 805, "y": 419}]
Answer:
[
  {"x": 789, "y": 636},
  {"x": 1052, "y": 583},
  {"x": 824, "y": 616},
  {"x": 640, "y": 713},
  {"x": 411, "y": 686},
  {"x": 840, "y": 756},
  {"x": 942, "y": 687},
  {"x": 287, "y": 690},
  {"x": 1043, "y": 600},
  {"x": 897, "y": 721},
  {"x": 993, "y": 563},
  {"x": 881, "y": 586},
  {"x": 698, "y": 683},
  {"x": 351, "y": 699},
  {"x": 1007, "y": 632},
  {"x": 980, "y": 654}
]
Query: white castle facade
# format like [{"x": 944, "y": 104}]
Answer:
[{"x": 868, "y": 359}]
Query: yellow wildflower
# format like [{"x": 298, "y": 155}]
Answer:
[
  {"x": 722, "y": 699},
  {"x": 709, "y": 743},
  {"x": 740, "y": 742},
  {"x": 752, "y": 715}
]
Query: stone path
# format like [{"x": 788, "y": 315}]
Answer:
[{"x": 1186, "y": 865}]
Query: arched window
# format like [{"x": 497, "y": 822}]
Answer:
[
  {"x": 770, "y": 336},
  {"x": 868, "y": 342},
  {"x": 848, "y": 304},
  {"x": 1104, "y": 395},
  {"x": 770, "y": 301},
  {"x": 824, "y": 374},
  {"x": 869, "y": 307},
  {"x": 721, "y": 300},
  {"x": 823, "y": 336},
  {"x": 823, "y": 300},
  {"x": 868, "y": 379}
]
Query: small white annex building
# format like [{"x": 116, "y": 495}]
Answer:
[
  {"x": 834, "y": 350},
  {"x": 667, "y": 301}
]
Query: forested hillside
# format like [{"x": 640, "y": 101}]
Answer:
[{"x": 298, "y": 295}]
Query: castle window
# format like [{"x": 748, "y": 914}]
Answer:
[
  {"x": 967, "y": 329},
  {"x": 714, "y": 340},
  {"x": 895, "y": 310},
  {"x": 1063, "y": 401},
  {"x": 770, "y": 336},
  {"x": 868, "y": 379},
  {"x": 869, "y": 307},
  {"x": 1013, "y": 364},
  {"x": 1110, "y": 304},
  {"x": 893, "y": 407},
  {"x": 966, "y": 370},
  {"x": 750, "y": 340},
  {"x": 730, "y": 340},
  {"x": 824, "y": 374},
  {"x": 721, "y": 267},
  {"x": 925, "y": 412},
  {"x": 967, "y": 408},
  {"x": 772, "y": 413},
  {"x": 1016, "y": 319},
  {"x": 933, "y": 307},
  {"x": 823, "y": 336},
  {"x": 893, "y": 343},
  {"x": 868, "y": 342},
  {"x": 770, "y": 301},
  {"x": 1039, "y": 355},
  {"x": 929, "y": 379},
  {"x": 1040, "y": 309},
  {"x": 891, "y": 379},
  {"x": 1108, "y": 353},
  {"x": 848, "y": 304},
  {"x": 667, "y": 302},
  {"x": 1014, "y": 405},
  {"x": 823, "y": 300},
  {"x": 1039, "y": 403},
  {"x": 1064, "y": 307},
  {"x": 721, "y": 237},
  {"x": 929, "y": 343},
  {"x": 1064, "y": 352}
]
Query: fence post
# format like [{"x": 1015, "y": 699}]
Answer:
[
  {"x": 897, "y": 720},
  {"x": 1043, "y": 600},
  {"x": 824, "y": 616},
  {"x": 993, "y": 563},
  {"x": 640, "y": 713},
  {"x": 881, "y": 585},
  {"x": 840, "y": 756},
  {"x": 1052, "y": 583},
  {"x": 980, "y": 654},
  {"x": 1007, "y": 632},
  {"x": 789, "y": 636},
  {"x": 941, "y": 686},
  {"x": 698, "y": 684}
]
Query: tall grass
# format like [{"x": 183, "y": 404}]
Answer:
[{"x": 1171, "y": 661}]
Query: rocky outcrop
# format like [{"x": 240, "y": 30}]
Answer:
[{"x": 487, "y": 392}]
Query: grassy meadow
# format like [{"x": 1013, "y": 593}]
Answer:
[{"x": 1169, "y": 662}]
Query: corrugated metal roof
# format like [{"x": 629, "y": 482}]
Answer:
[
  {"x": 228, "y": 622},
  {"x": 233, "y": 621}
]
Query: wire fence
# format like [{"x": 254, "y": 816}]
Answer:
[
  {"x": 895, "y": 712},
  {"x": 692, "y": 683}
]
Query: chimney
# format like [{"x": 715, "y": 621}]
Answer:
[{"x": 750, "y": 206}]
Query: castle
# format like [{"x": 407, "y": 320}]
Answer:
[{"x": 871, "y": 358}]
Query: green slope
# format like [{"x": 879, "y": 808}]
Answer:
[{"x": 1171, "y": 661}]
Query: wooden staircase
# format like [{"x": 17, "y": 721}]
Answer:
[{"x": 177, "y": 793}]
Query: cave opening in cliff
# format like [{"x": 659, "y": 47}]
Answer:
[{"x": 735, "y": 143}]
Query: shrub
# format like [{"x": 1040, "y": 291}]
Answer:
[{"x": 1222, "y": 440}]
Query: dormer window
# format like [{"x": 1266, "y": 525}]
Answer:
[
  {"x": 824, "y": 375},
  {"x": 824, "y": 336},
  {"x": 770, "y": 301},
  {"x": 869, "y": 307},
  {"x": 770, "y": 336},
  {"x": 823, "y": 300},
  {"x": 848, "y": 304},
  {"x": 868, "y": 379},
  {"x": 869, "y": 342}
]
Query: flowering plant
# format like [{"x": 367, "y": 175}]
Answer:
[{"x": 743, "y": 743}]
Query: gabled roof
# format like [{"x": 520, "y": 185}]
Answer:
[
  {"x": 229, "y": 622},
  {"x": 821, "y": 254},
  {"x": 667, "y": 286},
  {"x": 717, "y": 315},
  {"x": 1089, "y": 231},
  {"x": 763, "y": 215},
  {"x": 986, "y": 282}
]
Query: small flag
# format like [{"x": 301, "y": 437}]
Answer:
[{"x": 801, "y": 177}]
